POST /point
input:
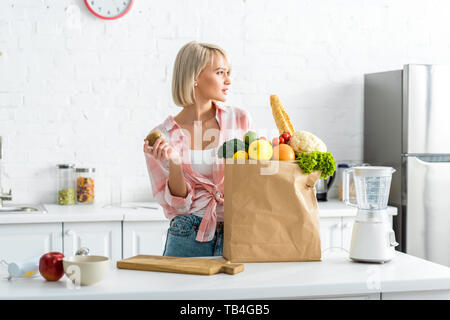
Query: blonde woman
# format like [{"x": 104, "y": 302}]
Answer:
[{"x": 186, "y": 175}]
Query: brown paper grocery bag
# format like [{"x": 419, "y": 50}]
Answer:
[{"x": 271, "y": 212}]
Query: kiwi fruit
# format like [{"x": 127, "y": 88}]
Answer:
[{"x": 153, "y": 136}]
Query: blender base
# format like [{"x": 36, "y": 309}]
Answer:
[{"x": 372, "y": 242}]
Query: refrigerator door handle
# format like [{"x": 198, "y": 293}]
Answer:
[{"x": 430, "y": 158}]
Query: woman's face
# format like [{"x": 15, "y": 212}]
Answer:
[{"x": 214, "y": 80}]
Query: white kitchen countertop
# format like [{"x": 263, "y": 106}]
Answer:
[
  {"x": 88, "y": 213},
  {"x": 84, "y": 213},
  {"x": 335, "y": 276}
]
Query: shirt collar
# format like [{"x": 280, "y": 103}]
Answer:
[{"x": 170, "y": 122}]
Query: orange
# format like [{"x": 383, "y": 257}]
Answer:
[{"x": 283, "y": 152}]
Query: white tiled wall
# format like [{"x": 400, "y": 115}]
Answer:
[{"x": 80, "y": 89}]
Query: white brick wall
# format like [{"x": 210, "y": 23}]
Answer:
[{"x": 79, "y": 89}]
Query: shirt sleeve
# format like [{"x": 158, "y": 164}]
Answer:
[{"x": 159, "y": 177}]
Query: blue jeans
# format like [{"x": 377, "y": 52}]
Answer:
[{"x": 181, "y": 241}]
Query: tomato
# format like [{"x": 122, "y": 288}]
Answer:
[
  {"x": 262, "y": 138},
  {"x": 286, "y": 136},
  {"x": 281, "y": 140}
]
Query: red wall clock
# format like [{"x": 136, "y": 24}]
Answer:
[{"x": 109, "y": 9}]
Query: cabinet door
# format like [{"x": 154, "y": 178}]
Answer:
[
  {"x": 23, "y": 241},
  {"x": 101, "y": 238},
  {"x": 144, "y": 237},
  {"x": 347, "y": 229},
  {"x": 330, "y": 234}
]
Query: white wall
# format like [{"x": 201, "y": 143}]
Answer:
[{"x": 75, "y": 88}]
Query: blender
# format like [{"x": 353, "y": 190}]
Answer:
[{"x": 373, "y": 239}]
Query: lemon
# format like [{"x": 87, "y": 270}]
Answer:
[
  {"x": 241, "y": 154},
  {"x": 260, "y": 150}
]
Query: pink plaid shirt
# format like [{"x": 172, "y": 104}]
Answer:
[{"x": 202, "y": 192}]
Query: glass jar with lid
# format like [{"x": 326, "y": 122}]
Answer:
[
  {"x": 85, "y": 185},
  {"x": 65, "y": 184}
]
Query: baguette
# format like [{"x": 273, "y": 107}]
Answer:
[{"x": 280, "y": 116}]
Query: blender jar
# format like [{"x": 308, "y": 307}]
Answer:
[
  {"x": 66, "y": 184},
  {"x": 372, "y": 186}
]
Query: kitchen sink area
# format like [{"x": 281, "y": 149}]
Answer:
[{"x": 34, "y": 209}]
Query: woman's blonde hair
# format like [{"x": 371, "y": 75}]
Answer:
[{"x": 190, "y": 61}]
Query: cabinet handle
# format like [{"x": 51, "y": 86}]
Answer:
[{"x": 70, "y": 233}]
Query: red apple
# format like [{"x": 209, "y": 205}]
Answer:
[{"x": 51, "y": 266}]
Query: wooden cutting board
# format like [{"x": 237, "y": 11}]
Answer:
[{"x": 180, "y": 265}]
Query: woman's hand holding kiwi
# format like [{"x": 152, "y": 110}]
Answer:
[{"x": 156, "y": 145}]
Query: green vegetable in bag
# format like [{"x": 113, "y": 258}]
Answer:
[
  {"x": 317, "y": 161},
  {"x": 230, "y": 147}
]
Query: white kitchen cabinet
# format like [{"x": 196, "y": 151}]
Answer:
[
  {"x": 103, "y": 238},
  {"x": 22, "y": 241},
  {"x": 144, "y": 237},
  {"x": 331, "y": 233},
  {"x": 347, "y": 229}
]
